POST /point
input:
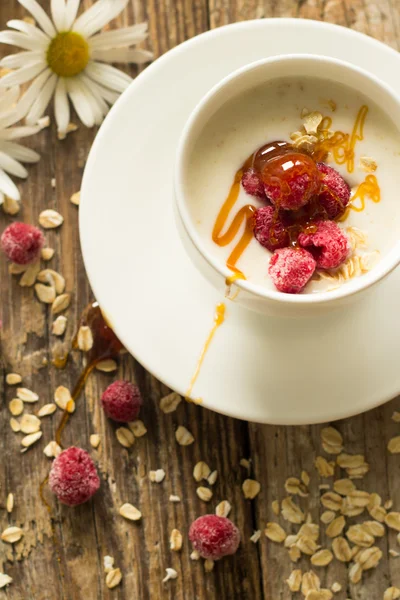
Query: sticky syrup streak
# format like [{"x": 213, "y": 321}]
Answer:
[
  {"x": 369, "y": 188},
  {"x": 219, "y": 318}
]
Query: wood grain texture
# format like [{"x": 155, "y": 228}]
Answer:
[{"x": 72, "y": 568}]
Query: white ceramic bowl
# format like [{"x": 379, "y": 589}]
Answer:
[{"x": 253, "y": 295}]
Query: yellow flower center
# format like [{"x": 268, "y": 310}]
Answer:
[{"x": 68, "y": 54}]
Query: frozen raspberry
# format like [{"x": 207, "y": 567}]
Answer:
[
  {"x": 335, "y": 191},
  {"x": 270, "y": 234},
  {"x": 73, "y": 477},
  {"x": 291, "y": 180},
  {"x": 214, "y": 537},
  {"x": 252, "y": 183},
  {"x": 122, "y": 401},
  {"x": 329, "y": 244},
  {"x": 22, "y": 243},
  {"x": 291, "y": 268}
]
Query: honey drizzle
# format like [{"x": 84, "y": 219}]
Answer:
[
  {"x": 245, "y": 214},
  {"x": 219, "y": 318},
  {"x": 342, "y": 145},
  {"x": 369, "y": 188}
]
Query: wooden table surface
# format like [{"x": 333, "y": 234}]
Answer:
[{"x": 74, "y": 570}]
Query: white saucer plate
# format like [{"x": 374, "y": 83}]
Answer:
[{"x": 262, "y": 369}]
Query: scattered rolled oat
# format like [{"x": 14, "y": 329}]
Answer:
[
  {"x": 256, "y": 536},
  {"x": 76, "y": 198},
  {"x": 355, "y": 573},
  {"x": 394, "y": 445},
  {"x": 108, "y": 562},
  {"x": 175, "y": 540},
  {"x": 294, "y": 554},
  {"x": 358, "y": 498},
  {"x": 294, "y": 580},
  {"x": 50, "y": 219},
  {"x": 244, "y": 462},
  {"x": 251, "y": 488},
  {"x": 45, "y": 293},
  {"x": 85, "y": 338},
  {"x": 95, "y": 440},
  {"x": 15, "y": 426},
  {"x": 359, "y": 536},
  {"x": 52, "y": 278},
  {"x": 275, "y": 532},
  {"x": 130, "y": 512},
  {"x": 183, "y": 436},
  {"x": 307, "y": 545},
  {"x": 47, "y": 253},
  {"x": 310, "y": 581},
  {"x": 174, "y": 498},
  {"x": 368, "y": 164},
  {"x": 327, "y": 517},
  {"x": 170, "y": 403},
  {"x": 27, "y": 395},
  {"x": 394, "y": 553},
  {"x": 369, "y": 558},
  {"x": 30, "y": 424},
  {"x": 336, "y": 587},
  {"x": 107, "y": 366},
  {"x": 125, "y": 437},
  {"x": 10, "y": 503},
  {"x": 171, "y": 574},
  {"x": 59, "y": 325},
  {"x": 113, "y": 578},
  {"x": 332, "y": 501},
  {"x": 16, "y": 407},
  {"x": 4, "y": 580},
  {"x": 223, "y": 508},
  {"x": 322, "y": 558},
  {"x": 15, "y": 269},
  {"x": 392, "y": 520},
  {"x": 157, "y": 476},
  {"x": 374, "y": 528},
  {"x": 332, "y": 440},
  {"x": 392, "y": 593},
  {"x": 344, "y": 486},
  {"x": 208, "y": 565},
  {"x": 11, "y": 535},
  {"x": 276, "y": 508},
  {"x": 336, "y": 527},
  {"x": 31, "y": 439},
  {"x": 201, "y": 471},
  {"x": 138, "y": 428},
  {"x": 13, "y": 378},
  {"x": 52, "y": 450},
  {"x": 388, "y": 504},
  {"x": 61, "y": 303},
  {"x": 324, "y": 468},
  {"x": 341, "y": 549},
  {"x": 46, "y": 410},
  {"x": 212, "y": 478},
  {"x": 62, "y": 396},
  {"x": 11, "y": 206},
  {"x": 204, "y": 493},
  {"x": 29, "y": 276},
  {"x": 396, "y": 416},
  {"x": 195, "y": 555},
  {"x": 322, "y": 594},
  {"x": 291, "y": 512}
]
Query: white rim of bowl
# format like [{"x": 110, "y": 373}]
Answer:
[{"x": 383, "y": 268}]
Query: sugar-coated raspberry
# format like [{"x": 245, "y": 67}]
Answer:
[
  {"x": 252, "y": 183},
  {"x": 73, "y": 477},
  {"x": 214, "y": 537},
  {"x": 22, "y": 243},
  {"x": 122, "y": 401},
  {"x": 291, "y": 269},
  {"x": 329, "y": 244},
  {"x": 335, "y": 191},
  {"x": 291, "y": 180},
  {"x": 268, "y": 231}
]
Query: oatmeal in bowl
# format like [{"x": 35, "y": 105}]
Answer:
[{"x": 286, "y": 182}]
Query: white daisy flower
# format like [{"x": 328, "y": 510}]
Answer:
[
  {"x": 65, "y": 59},
  {"x": 13, "y": 154}
]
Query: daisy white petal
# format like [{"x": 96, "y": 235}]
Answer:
[
  {"x": 8, "y": 99},
  {"x": 29, "y": 29},
  {"x": 61, "y": 107},
  {"x": 92, "y": 90},
  {"x": 119, "y": 38},
  {"x": 123, "y": 55},
  {"x": 58, "y": 14},
  {"x": 16, "y": 133},
  {"x": 80, "y": 102},
  {"x": 19, "y": 152},
  {"x": 106, "y": 11},
  {"x": 95, "y": 103},
  {"x": 42, "y": 101},
  {"x": 70, "y": 13},
  {"x": 12, "y": 166},
  {"x": 39, "y": 14},
  {"x": 108, "y": 95},
  {"x": 22, "y": 40},
  {"x": 108, "y": 76},
  {"x": 23, "y": 75},
  {"x": 8, "y": 187},
  {"x": 32, "y": 93},
  {"x": 21, "y": 59}
]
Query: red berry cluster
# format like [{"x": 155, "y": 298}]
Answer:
[{"x": 302, "y": 200}]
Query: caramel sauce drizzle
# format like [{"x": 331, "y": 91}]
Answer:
[
  {"x": 342, "y": 145},
  {"x": 219, "y": 318},
  {"x": 369, "y": 188}
]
